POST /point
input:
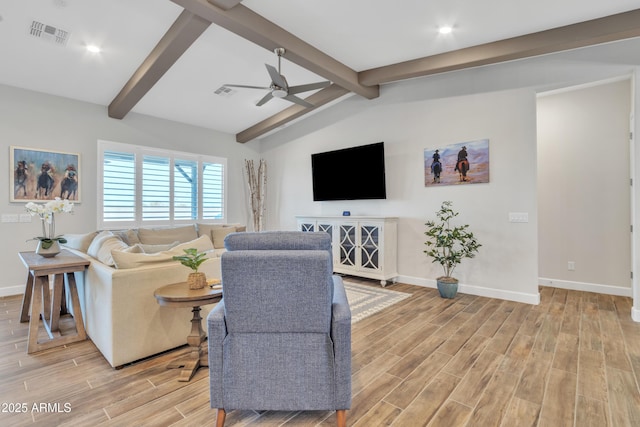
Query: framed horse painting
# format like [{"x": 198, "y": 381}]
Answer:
[
  {"x": 455, "y": 164},
  {"x": 37, "y": 175}
]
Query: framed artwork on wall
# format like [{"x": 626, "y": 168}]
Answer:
[
  {"x": 37, "y": 175},
  {"x": 455, "y": 164}
]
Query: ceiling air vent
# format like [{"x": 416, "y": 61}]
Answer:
[
  {"x": 224, "y": 91},
  {"x": 49, "y": 33}
]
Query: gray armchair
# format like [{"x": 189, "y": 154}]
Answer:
[{"x": 280, "y": 339}]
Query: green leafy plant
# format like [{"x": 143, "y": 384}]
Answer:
[
  {"x": 192, "y": 258},
  {"x": 446, "y": 244}
]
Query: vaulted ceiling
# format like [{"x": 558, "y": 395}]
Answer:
[{"x": 168, "y": 58}]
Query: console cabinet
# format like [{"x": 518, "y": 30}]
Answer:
[{"x": 361, "y": 245}]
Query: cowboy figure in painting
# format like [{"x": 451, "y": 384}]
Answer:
[
  {"x": 462, "y": 165},
  {"x": 436, "y": 166},
  {"x": 20, "y": 176}
]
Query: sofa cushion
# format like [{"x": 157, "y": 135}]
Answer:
[
  {"x": 162, "y": 236},
  {"x": 125, "y": 259},
  {"x": 79, "y": 242},
  {"x": 218, "y": 235}
]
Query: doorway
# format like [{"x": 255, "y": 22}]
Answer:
[{"x": 584, "y": 197}]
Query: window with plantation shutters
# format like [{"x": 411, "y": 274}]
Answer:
[
  {"x": 118, "y": 186},
  {"x": 185, "y": 189},
  {"x": 213, "y": 190},
  {"x": 156, "y": 184},
  {"x": 145, "y": 186}
]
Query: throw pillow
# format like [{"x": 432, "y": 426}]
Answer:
[
  {"x": 110, "y": 244},
  {"x": 127, "y": 259},
  {"x": 207, "y": 229},
  {"x": 152, "y": 249},
  {"x": 79, "y": 242},
  {"x": 102, "y": 245},
  {"x": 94, "y": 247},
  {"x": 202, "y": 244},
  {"x": 130, "y": 237}
]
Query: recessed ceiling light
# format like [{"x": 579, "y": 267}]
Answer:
[
  {"x": 93, "y": 48},
  {"x": 445, "y": 29}
]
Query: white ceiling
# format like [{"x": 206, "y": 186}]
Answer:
[{"x": 361, "y": 34}]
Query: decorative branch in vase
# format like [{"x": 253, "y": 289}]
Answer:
[
  {"x": 48, "y": 242},
  {"x": 257, "y": 181}
]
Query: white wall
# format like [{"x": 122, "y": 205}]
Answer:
[
  {"x": 583, "y": 186},
  {"x": 506, "y": 266},
  {"x": 494, "y": 102},
  {"x": 35, "y": 120}
]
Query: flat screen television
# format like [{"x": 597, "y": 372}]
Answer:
[{"x": 349, "y": 174}]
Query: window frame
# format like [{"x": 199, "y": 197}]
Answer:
[{"x": 139, "y": 152}]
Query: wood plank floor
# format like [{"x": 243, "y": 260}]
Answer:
[{"x": 573, "y": 360}]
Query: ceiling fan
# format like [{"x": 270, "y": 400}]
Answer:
[{"x": 279, "y": 87}]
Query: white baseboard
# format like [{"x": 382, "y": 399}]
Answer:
[
  {"x": 12, "y": 290},
  {"x": 635, "y": 314},
  {"x": 477, "y": 290},
  {"x": 587, "y": 287}
]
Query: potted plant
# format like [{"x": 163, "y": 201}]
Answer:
[
  {"x": 448, "y": 245},
  {"x": 192, "y": 259},
  {"x": 49, "y": 242}
]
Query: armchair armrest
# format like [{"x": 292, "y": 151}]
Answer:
[
  {"x": 217, "y": 331},
  {"x": 341, "y": 337}
]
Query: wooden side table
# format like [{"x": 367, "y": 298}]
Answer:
[
  {"x": 37, "y": 297},
  {"x": 179, "y": 295}
]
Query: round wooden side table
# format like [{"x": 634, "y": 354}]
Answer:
[{"x": 179, "y": 295}]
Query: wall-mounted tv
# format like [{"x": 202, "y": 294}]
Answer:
[{"x": 349, "y": 174}]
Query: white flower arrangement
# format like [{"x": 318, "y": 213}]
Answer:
[{"x": 47, "y": 212}]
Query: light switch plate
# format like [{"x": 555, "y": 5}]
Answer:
[
  {"x": 10, "y": 218},
  {"x": 518, "y": 217}
]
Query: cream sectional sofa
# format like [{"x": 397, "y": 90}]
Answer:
[{"x": 121, "y": 315}]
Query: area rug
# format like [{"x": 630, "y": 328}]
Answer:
[{"x": 367, "y": 300}]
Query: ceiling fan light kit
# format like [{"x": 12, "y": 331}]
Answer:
[{"x": 279, "y": 88}]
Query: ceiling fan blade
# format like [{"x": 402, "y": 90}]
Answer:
[
  {"x": 311, "y": 86},
  {"x": 276, "y": 78},
  {"x": 298, "y": 101},
  {"x": 249, "y": 87},
  {"x": 264, "y": 100}
]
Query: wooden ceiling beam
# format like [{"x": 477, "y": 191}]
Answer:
[
  {"x": 255, "y": 28},
  {"x": 184, "y": 31},
  {"x": 225, "y": 4},
  {"x": 596, "y": 31},
  {"x": 318, "y": 99}
]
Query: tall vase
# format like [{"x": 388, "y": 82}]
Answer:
[{"x": 49, "y": 252}]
